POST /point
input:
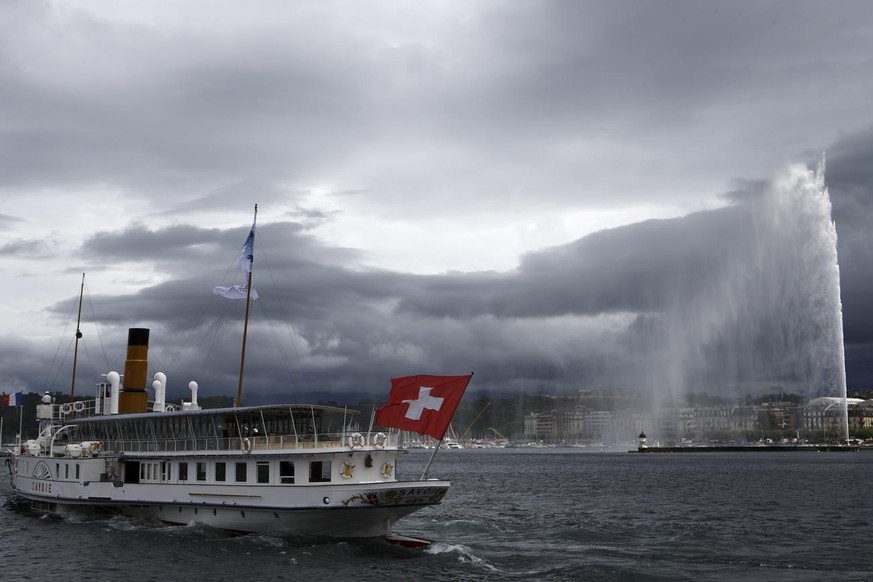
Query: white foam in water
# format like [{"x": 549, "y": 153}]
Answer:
[
  {"x": 465, "y": 555},
  {"x": 465, "y": 524}
]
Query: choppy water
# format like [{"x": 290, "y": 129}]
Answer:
[{"x": 519, "y": 515}]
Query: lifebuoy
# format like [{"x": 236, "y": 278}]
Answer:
[
  {"x": 379, "y": 440},
  {"x": 66, "y": 408},
  {"x": 346, "y": 471},
  {"x": 78, "y": 406},
  {"x": 356, "y": 440},
  {"x": 247, "y": 445}
]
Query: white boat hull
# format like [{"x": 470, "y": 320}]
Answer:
[
  {"x": 336, "y": 510},
  {"x": 343, "y": 509}
]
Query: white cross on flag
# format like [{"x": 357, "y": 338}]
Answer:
[{"x": 423, "y": 404}]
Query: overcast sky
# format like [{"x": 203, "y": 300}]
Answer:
[{"x": 546, "y": 193}]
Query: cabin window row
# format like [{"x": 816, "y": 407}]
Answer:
[
  {"x": 68, "y": 474},
  {"x": 232, "y": 472}
]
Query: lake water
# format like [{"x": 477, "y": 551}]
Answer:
[{"x": 523, "y": 514}]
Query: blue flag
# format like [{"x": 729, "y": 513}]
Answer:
[{"x": 247, "y": 254}]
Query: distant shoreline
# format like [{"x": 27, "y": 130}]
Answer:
[{"x": 755, "y": 449}]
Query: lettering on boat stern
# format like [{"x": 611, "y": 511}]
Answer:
[
  {"x": 410, "y": 496},
  {"x": 41, "y": 473}
]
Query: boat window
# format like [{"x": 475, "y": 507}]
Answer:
[
  {"x": 131, "y": 472},
  {"x": 77, "y": 471},
  {"x": 319, "y": 471},
  {"x": 183, "y": 471},
  {"x": 201, "y": 470},
  {"x": 221, "y": 471},
  {"x": 286, "y": 471},
  {"x": 66, "y": 471},
  {"x": 263, "y": 468},
  {"x": 241, "y": 472}
]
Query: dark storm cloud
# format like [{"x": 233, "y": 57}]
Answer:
[
  {"x": 138, "y": 243},
  {"x": 610, "y": 310},
  {"x": 627, "y": 269},
  {"x": 498, "y": 110},
  {"x": 28, "y": 364},
  {"x": 202, "y": 112},
  {"x": 29, "y": 248},
  {"x": 338, "y": 327},
  {"x": 6, "y": 221},
  {"x": 604, "y": 311},
  {"x": 850, "y": 180},
  {"x": 181, "y": 246},
  {"x": 513, "y": 97}
]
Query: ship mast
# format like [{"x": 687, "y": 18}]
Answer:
[
  {"x": 78, "y": 337},
  {"x": 242, "y": 357}
]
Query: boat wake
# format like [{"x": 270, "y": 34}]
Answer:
[
  {"x": 469, "y": 526},
  {"x": 465, "y": 555}
]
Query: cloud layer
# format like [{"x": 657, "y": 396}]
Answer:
[{"x": 557, "y": 195}]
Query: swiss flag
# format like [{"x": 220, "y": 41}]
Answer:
[{"x": 423, "y": 404}]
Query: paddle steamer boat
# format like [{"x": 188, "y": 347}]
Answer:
[
  {"x": 282, "y": 468},
  {"x": 297, "y": 469}
]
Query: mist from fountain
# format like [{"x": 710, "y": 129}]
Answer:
[{"x": 762, "y": 311}]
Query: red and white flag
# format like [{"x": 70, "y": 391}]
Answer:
[{"x": 423, "y": 404}]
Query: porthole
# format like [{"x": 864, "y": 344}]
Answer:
[{"x": 326, "y": 500}]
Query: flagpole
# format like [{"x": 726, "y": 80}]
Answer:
[
  {"x": 242, "y": 357},
  {"x": 439, "y": 444},
  {"x": 78, "y": 336},
  {"x": 20, "y": 423}
]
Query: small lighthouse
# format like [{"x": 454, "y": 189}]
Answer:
[{"x": 642, "y": 442}]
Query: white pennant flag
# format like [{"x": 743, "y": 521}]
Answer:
[{"x": 234, "y": 292}]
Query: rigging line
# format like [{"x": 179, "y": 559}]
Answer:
[
  {"x": 284, "y": 312},
  {"x": 201, "y": 317},
  {"x": 154, "y": 364},
  {"x": 193, "y": 328},
  {"x": 219, "y": 324},
  {"x": 94, "y": 372},
  {"x": 48, "y": 372},
  {"x": 275, "y": 335},
  {"x": 185, "y": 353},
  {"x": 61, "y": 365},
  {"x": 96, "y": 327}
]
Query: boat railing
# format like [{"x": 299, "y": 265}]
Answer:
[
  {"x": 61, "y": 412},
  {"x": 245, "y": 444}
]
